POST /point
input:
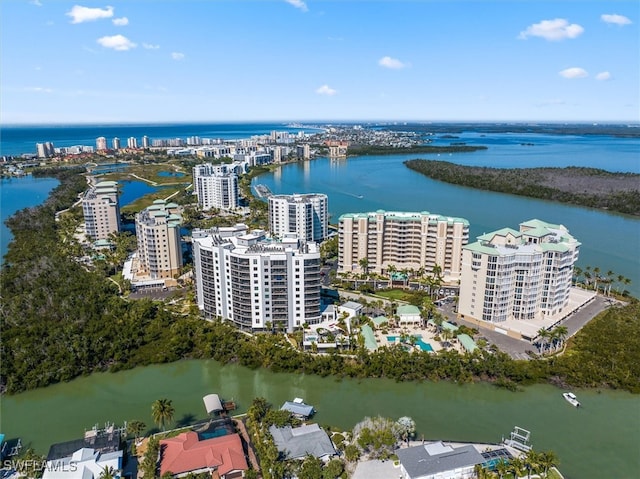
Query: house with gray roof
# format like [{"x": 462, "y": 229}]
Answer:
[
  {"x": 438, "y": 461},
  {"x": 298, "y": 442}
]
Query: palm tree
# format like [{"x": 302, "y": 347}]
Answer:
[
  {"x": 610, "y": 275},
  {"x": 517, "y": 466},
  {"x": 162, "y": 412},
  {"x": 596, "y": 277},
  {"x": 547, "y": 460},
  {"x": 364, "y": 264},
  {"x": 391, "y": 270},
  {"x": 543, "y": 334},
  {"x": 560, "y": 333},
  {"x": 502, "y": 467},
  {"x": 531, "y": 461},
  {"x": 577, "y": 273},
  {"x": 107, "y": 472},
  {"x": 135, "y": 428}
]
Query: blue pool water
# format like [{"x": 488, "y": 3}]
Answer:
[
  {"x": 420, "y": 343},
  {"x": 211, "y": 434},
  {"x": 177, "y": 174},
  {"x": 424, "y": 346}
]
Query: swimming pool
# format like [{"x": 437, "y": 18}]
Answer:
[{"x": 419, "y": 342}]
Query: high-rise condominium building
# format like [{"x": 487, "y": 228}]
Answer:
[
  {"x": 257, "y": 284},
  {"x": 403, "y": 240},
  {"x": 45, "y": 150},
  {"x": 101, "y": 143},
  {"x": 101, "y": 210},
  {"x": 132, "y": 143},
  {"x": 520, "y": 275},
  {"x": 216, "y": 186},
  {"x": 158, "y": 234},
  {"x": 305, "y": 215},
  {"x": 116, "y": 143},
  {"x": 303, "y": 151}
]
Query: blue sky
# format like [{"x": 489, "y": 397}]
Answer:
[{"x": 227, "y": 61}]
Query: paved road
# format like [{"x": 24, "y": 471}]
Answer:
[{"x": 517, "y": 348}]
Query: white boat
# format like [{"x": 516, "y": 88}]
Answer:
[{"x": 571, "y": 399}]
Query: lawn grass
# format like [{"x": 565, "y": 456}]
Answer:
[{"x": 394, "y": 294}]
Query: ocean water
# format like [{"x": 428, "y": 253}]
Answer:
[
  {"x": 17, "y": 194},
  {"x": 16, "y": 140}
]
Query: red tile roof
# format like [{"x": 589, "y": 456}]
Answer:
[{"x": 185, "y": 453}]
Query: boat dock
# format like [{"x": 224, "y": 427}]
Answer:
[{"x": 263, "y": 191}]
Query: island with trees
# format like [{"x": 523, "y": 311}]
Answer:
[{"x": 590, "y": 187}]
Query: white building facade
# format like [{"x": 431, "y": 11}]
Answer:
[
  {"x": 305, "y": 215},
  {"x": 101, "y": 210},
  {"x": 159, "y": 243},
  {"x": 518, "y": 275},
  {"x": 216, "y": 186},
  {"x": 254, "y": 283},
  {"x": 404, "y": 240}
]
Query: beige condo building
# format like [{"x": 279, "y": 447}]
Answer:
[
  {"x": 518, "y": 275},
  {"x": 406, "y": 240},
  {"x": 159, "y": 245},
  {"x": 101, "y": 210}
]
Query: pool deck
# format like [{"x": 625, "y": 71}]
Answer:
[{"x": 427, "y": 333}]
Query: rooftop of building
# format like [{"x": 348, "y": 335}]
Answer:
[
  {"x": 299, "y": 197},
  {"x": 407, "y": 309},
  {"x": 437, "y": 458},
  {"x": 185, "y": 453},
  {"x": 301, "y": 441},
  {"x": 404, "y": 216}
]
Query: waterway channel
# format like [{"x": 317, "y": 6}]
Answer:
[{"x": 599, "y": 440}]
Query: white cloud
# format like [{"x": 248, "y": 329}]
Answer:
[
  {"x": 149, "y": 46},
  {"x": 177, "y": 56},
  {"x": 603, "y": 76},
  {"x": 117, "y": 42},
  {"x": 80, "y": 14},
  {"x": 38, "y": 89},
  {"x": 298, "y": 4},
  {"x": 615, "y": 19},
  {"x": 37, "y": 3},
  {"x": 392, "y": 63},
  {"x": 574, "y": 72},
  {"x": 120, "y": 22},
  {"x": 326, "y": 90},
  {"x": 552, "y": 30}
]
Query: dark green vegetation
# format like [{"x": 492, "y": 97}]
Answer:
[
  {"x": 394, "y": 150},
  {"x": 606, "y": 352},
  {"x": 589, "y": 187},
  {"x": 59, "y": 321},
  {"x": 618, "y": 130}
]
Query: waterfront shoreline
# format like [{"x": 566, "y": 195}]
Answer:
[{"x": 587, "y": 187}]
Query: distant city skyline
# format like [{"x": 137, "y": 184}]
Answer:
[{"x": 68, "y": 62}]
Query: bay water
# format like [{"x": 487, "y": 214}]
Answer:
[
  {"x": 19, "y": 193},
  {"x": 368, "y": 183},
  {"x": 598, "y": 440}
]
